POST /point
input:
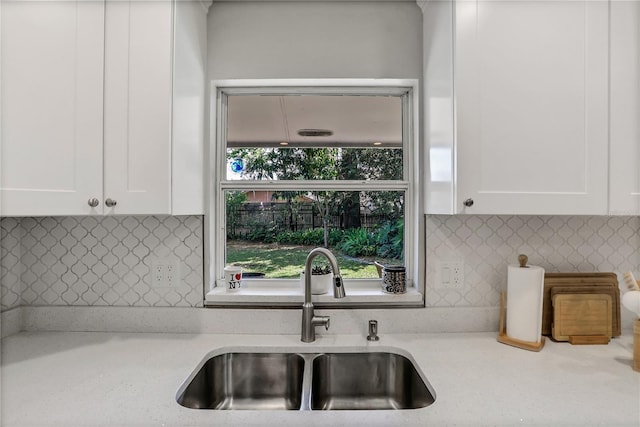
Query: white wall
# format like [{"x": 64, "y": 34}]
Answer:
[{"x": 314, "y": 40}]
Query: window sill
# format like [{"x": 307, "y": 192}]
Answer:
[{"x": 289, "y": 293}]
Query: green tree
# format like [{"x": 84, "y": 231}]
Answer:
[
  {"x": 294, "y": 163},
  {"x": 234, "y": 199},
  {"x": 369, "y": 164}
]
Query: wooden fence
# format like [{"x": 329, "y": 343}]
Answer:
[{"x": 245, "y": 218}]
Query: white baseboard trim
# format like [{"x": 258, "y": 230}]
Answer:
[
  {"x": 254, "y": 321},
  {"x": 11, "y": 321}
]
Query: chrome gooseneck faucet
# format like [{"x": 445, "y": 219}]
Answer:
[{"x": 309, "y": 320}]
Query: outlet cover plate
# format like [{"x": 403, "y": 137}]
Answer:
[
  {"x": 165, "y": 273},
  {"x": 450, "y": 275}
]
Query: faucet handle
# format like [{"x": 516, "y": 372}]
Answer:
[
  {"x": 373, "y": 331},
  {"x": 338, "y": 287},
  {"x": 321, "y": 320}
]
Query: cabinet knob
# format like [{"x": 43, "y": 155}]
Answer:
[
  {"x": 468, "y": 203},
  {"x": 110, "y": 203},
  {"x": 93, "y": 202}
]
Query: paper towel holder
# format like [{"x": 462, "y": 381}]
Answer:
[
  {"x": 523, "y": 259},
  {"x": 506, "y": 339},
  {"x": 502, "y": 333}
]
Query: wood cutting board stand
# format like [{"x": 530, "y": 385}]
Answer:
[{"x": 506, "y": 339}]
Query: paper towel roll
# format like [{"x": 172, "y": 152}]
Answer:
[{"x": 525, "y": 286}]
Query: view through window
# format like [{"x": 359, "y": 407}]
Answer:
[{"x": 304, "y": 171}]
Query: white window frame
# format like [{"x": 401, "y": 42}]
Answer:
[{"x": 287, "y": 292}]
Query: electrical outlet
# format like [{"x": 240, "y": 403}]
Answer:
[
  {"x": 450, "y": 275},
  {"x": 172, "y": 273},
  {"x": 165, "y": 273},
  {"x": 457, "y": 274},
  {"x": 158, "y": 274}
]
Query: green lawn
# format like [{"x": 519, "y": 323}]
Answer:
[{"x": 287, "y": 261}]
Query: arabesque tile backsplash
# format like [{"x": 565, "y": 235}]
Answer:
[
  {"x": 488, "y": 243},
  {"x": 99, "y": 261},
  {"x": 106, "y": 261}
]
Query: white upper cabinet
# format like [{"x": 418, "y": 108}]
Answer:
[
  {"x": 137, "y": 106},
  {"x": 52, "y": 107},
  {"x": 87, "y": 107},
  {"x": 532, "y": 118},
  {"x": 529, "y": 97},
  {"x": 624, "y": 192}
]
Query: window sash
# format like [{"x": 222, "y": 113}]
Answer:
[{"x": 314, "y": 185}]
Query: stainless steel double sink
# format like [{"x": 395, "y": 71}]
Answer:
[{"x": 294, "y": 380}]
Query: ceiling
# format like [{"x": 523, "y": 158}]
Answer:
[{"x": 355, "y": 121}]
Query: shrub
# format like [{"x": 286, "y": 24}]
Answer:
[
  {"x": 304, "y": 237},
  {"x": 309, "y": 237},
  {"x": 390, "y": 239},
  {"x": 358, "y": 242},
  {"x": 312, "y": 237},
  {"x": 335, "y": 237},
  {"x": 266, "y": 233}
]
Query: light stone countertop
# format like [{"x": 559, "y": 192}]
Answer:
[{"x": 120, "y": 379}]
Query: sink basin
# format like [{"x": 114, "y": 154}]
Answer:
[
  {"x": 291, "y": 380},
  {"x": 246, "y": 381},
  {"x": 367, "y": 381}
]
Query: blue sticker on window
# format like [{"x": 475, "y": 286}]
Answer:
[{"x": 237, "y": 165}]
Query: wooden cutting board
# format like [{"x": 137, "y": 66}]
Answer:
[
  {"x": 581, "y": 315},
  {"x": 602, "y": 276},
  {"x": 616, "y": 324},
  {"x": 605, "y": 282}
]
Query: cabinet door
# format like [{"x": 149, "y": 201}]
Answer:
[
  {"x": 137, "y": 116},
  {"x": 532, "y": 106},
  {"x": 52, "y": 70},
  {"x": 624, "y": 192}
]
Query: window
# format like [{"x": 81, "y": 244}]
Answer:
[{"x": 300, "y": 164}]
